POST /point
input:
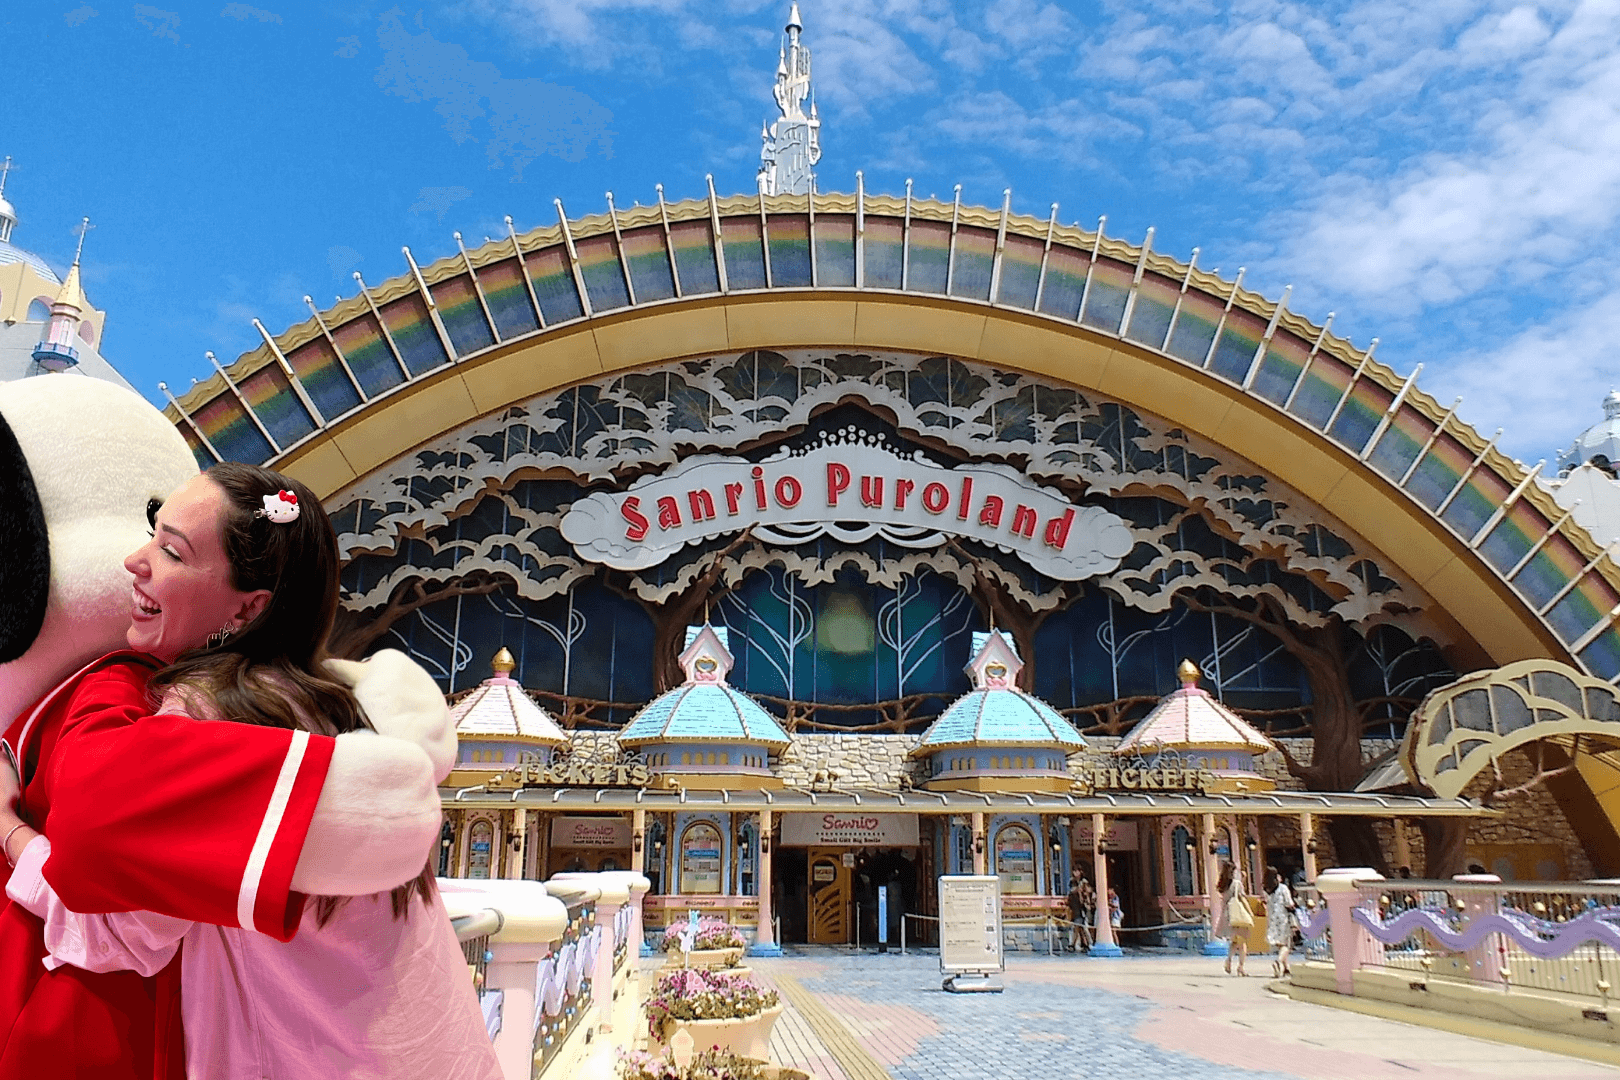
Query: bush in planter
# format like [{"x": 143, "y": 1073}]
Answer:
[
  {"x": 712, "y": 934},
  {"x": 707, "y": 1065},
  {"x": 695, "y": 994}
]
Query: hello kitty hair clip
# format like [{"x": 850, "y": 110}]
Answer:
[{"x": 281, "y": 508}]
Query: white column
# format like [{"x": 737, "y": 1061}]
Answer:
[
  {"x": 514, "y": 852},
  {"x": 607, "y": 911},
  {"x": 1306, "y": 832},
  {"x": 980, "y": 843},
  {"x": 1104, "y": 945},
  {"x": 1212, "y": 873},
  {"x": 765, "y": 943},
  {"x": 638, "y": 841},
  {"x": 1403, "y": 849}
]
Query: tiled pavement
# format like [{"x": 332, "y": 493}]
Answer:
[{"x": 858, "y": 1017}]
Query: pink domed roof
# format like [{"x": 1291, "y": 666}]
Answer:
[{"x": 1191, "y": 719}]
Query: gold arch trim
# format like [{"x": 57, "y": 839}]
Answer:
[
  {"x": 1461, "y": 728},
  {"x": 1425, "y": 550},
  {"x": 1475, "y": 595}
]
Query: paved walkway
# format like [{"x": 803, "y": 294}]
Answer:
[{"x": 869, "y": 1017}]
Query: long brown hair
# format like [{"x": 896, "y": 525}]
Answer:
[
  {"x": 269, "y": 673},
  {"x": 1228, "y": 872}
]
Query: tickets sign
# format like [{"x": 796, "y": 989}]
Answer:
[{"x": 852, "y": 491}]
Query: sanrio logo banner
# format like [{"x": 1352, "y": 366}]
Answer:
[{"x": 852, "y": 492}]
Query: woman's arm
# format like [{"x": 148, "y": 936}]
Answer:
[{"x": 138, "y": 941}]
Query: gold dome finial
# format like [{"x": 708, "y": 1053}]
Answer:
[
  {"x": 1188, "y": 673},
  {"x": 503, "y": 662}
]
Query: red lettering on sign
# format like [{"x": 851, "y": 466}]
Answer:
[
  {"x": 788, "y": 491},
  {"x": 638, "y": 524},
  {"x": 991, "y": 514},
  {"x": 967, "y": 496},
  {"x": 837, "y": 481},
  {"x": 669, "y": 513},
  {"x": 833, "y": 821},
  {"x": 702, "y": 504},
  {"x": 1057, "y": 530},
  {"x": 902, "y": 488},
  {"x": 936, "y": 498},
  {"x": 733, "y": 499},
  {"x": 759, "y": 485},
  {"x": 871, "y": 491},
  {"x": 1023, "y": 522}
]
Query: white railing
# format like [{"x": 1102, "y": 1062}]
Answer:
[
  {"x": 546, "y": 953},
  {"x": 1560, "y": 938}
]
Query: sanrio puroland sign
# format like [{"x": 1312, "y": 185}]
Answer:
[{"x": 852, "y": 492}]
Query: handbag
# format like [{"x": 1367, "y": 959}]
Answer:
[{"x": 1238, "y": 914}]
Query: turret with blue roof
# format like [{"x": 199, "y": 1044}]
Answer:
[
  {"x": 706, "y": 733},
  {"x": 996, "y": 737}
]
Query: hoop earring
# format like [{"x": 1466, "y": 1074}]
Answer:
[{"x": 221, "y": 636}]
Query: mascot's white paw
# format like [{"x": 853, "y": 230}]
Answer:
[
  {"x": 403, "y": 702},
  {"x": 84, "y": 465}
]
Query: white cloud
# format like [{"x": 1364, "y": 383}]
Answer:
[
  {"x": 1546, "y": 383},
  {"x": 243, "y": 12},
  {"x": 517, "y": 120},
  {"x": 163, "y": 24},
  {"x": 438, "y": 200},
  {"x": 342, "y": 260},
  {"x": 1542, "y": 183}
]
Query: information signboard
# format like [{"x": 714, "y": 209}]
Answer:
[{"x": 970, "y": 925}]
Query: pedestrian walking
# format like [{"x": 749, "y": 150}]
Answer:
[
  {"x": 1075, "y": 901},
  {"x": 1233, "y": 917},
  {"x": 1279, "y": 921}
]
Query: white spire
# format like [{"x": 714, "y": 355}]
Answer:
[
  {"x": 8, "y": 216},
  {"x": 792, "y": 145},
  {"x": 56, "y": 350}
]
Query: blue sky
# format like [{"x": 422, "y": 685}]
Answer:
[{"x": 1444, "y": 176}]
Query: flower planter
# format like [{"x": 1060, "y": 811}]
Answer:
[
  {"x": 708, "y": 959},
  {"x": 747, "y": 1036}
]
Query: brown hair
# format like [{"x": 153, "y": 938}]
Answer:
[
  {"x": 269, "y": 673},
  {"x": 1228, "y": 872}
]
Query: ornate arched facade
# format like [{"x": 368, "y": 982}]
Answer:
[{"x": 497, "y": 436}]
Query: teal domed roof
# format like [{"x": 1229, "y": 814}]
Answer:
[
  {"x": 1004, "y": 716},
  {"x": 995, "y": 711},
  {"x": 704, "y": 708},
  {"x": 712, "y": 712}
]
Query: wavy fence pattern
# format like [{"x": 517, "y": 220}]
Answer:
[{"x": 1540, "y": 938}]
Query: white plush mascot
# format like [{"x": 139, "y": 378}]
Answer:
[
  {"x": 84, "y": 467},
  {"x": 87, "y": 466}
]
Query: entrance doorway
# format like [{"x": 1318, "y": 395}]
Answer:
[
  {"x": 830, "y": 899},
  {"x": 1125, "y": 877}
]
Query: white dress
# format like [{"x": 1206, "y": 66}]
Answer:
[{"x": 1279, "y": 920}]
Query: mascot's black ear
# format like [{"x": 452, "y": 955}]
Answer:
[{"x": 25, "y": 568}]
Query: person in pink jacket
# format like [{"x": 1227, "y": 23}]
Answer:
[{"x": 238, "y": 590}]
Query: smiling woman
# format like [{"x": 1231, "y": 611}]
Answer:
[{"x": 185, "y": 590}]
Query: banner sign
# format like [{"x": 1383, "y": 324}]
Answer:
[
  {"x": 970, "y": 924},
  {"x": 1118, "y": 835},
  {"x": 849, "y": 830},
  {"x": 590, "y": 832},
  {"x": 851, "y": 491}
]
